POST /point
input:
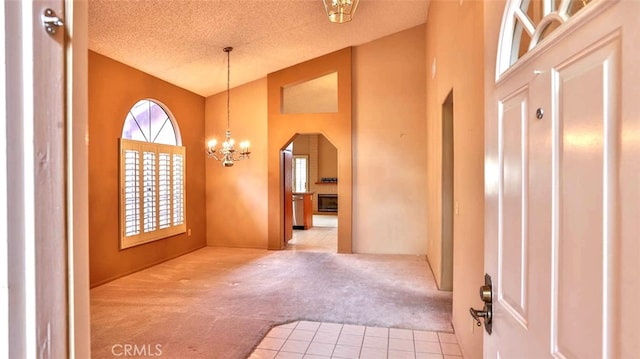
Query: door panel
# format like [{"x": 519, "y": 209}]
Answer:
[
  {"x": 584, "y": 241},
  {"x": 522, "y": 146},
  {"x": 513, "y": 244}
]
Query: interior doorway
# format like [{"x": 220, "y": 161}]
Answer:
[
  {"x": 311, "y": 176},
  {"x": 447, "y": 193}
]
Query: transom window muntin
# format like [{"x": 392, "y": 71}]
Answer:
[
  {"x": 152, "y": 179},
  {"x": 526, "y": 23}
]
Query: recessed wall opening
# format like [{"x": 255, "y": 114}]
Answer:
[
  {"x": 446, "y": 282},
  {"x": 323, "y": 90}
]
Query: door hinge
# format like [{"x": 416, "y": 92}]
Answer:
[{"x": 51, "y": 21}]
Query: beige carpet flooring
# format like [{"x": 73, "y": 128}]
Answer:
[{"x": 220, "y": 302}]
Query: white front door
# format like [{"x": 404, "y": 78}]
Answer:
[{"x": 562, "y": 189}]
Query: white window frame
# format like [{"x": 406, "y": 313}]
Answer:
[
  {"x": 152, "y": 190},
  {"x": 515, "y": 22},
  {"x": 297, "y": 187}
]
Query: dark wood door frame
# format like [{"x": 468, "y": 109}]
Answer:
[{"x": 287, "y": 190}]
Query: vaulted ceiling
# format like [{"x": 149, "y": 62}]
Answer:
[{"x": 181, "y": 41}]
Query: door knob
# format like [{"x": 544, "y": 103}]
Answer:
[{"x": 487, "y": 310}]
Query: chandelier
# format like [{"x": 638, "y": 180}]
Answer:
[
  {"x": 228, "y": 154},
  {"x": 340, "y": 11}
]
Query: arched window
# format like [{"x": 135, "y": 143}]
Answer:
[
  {"x": 152, "y": 175},
  {"x": 526, "y": 23}
]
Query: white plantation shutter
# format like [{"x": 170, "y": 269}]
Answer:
[
  {"x": 178, "y": 189},
  {"x": 149, "y": 191},
  {"x": 164, "y": 190},
  {"x": 153, "y": 196},
  {"x": 131, "y": 192}
]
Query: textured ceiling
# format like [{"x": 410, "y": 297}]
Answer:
[{"x": 181, "y": 41}]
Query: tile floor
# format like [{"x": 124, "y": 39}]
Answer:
[
  {"x": 325, "y": 220},
  {"x": 314, "y": 340},
  {"x": 322, "y": 237}
]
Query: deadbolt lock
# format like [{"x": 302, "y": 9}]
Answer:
[{"x": 485, "y": 293}]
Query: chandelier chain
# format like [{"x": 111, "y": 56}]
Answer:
[{"x": 228, "y": 50}]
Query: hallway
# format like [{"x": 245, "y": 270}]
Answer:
[{"x": 221, "y": 302}]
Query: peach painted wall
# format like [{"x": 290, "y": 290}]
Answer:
[
  {"x": 113, "y": 89},
  {"x": 325, "y": 155},
  {"x": 389, "y": 148},
  {"x": 237, "y": 196},
  {"x": 327, "y": 159},
  {"x": 301, "y": 146},
  {"x": 455, "y": 60},
  {"x": 389, "y": 115}
]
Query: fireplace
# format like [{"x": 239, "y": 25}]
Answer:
[{"x": 327, "y": 202}]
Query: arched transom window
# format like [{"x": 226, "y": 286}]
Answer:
[
  {"x": 147, "y": 121},
  {"x": 526, "y": 23},
  {"x": 152, "y": 175}
]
